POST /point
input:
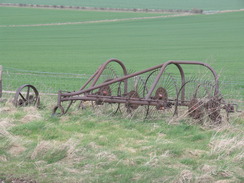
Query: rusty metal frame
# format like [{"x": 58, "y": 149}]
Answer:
[{"x": 84, "y": 94}]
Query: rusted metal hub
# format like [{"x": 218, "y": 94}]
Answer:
[
  {"x": 213, "y": 107},
  {"x": 162, "y": 95},
  {"x": 195, "y": 108},
  {"x": 130, "y": 106},
  {"x": 103, "y": 91}
]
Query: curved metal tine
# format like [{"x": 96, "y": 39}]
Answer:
[
  {"x": 177, "y": 98},
  {"x": 147, "y": 112},
  {"x": 146, "y": 81},
  {"x": 170, "y": 84},
  {"x": 118, "y": 94},
  {"x": 141, "y": 87}
]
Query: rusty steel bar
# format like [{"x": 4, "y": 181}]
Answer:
[
  {"x": 86, "y": 95},
  {"x": 103, "y": 66},
  {"x": 112, "y": 81},
  {"x": 163, "y": 67},
  {"x": 117, "y": 100},
  {"x": 89, "y": 80}
]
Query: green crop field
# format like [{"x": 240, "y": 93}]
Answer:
[
  {"x": 153, "y": 4},
  {"x": 53, "y": 48},
  {"x": 79, "y": 49}
]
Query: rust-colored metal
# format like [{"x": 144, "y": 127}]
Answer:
[
  {"x": 195, "y": 108},
  {"x": 102, "y": 92},
  {"x": 161, "y": 95},
  {"x": 26, "y": 95},
  {"x": 131, "y": 106},
  {"x": 213, "y": 107}
]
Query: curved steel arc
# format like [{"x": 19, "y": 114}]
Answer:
[
  {"x": 103, "y": 66},
  {"x": 162, "y": 66},
  {"x": 100, "y": 70},
  {"x": 178, "y": 63},
  {"x": 112, "y": 81}
]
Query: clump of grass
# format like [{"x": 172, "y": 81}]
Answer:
[
  {"x": 49, "y": 152},
  {"x": 227, "y": 145},
  {"x": 81, "y": 147}
]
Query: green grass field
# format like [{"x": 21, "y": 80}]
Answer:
[
  {"x": 153, "y": 4},
  {"x": 30, "y": 16},
  {"x": 216, "y": 39},
  {"x": 80, "y": 147},
  {"x": 85, "y": 146}
]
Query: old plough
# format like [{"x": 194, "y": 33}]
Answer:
[{"x": 150, "y": 92}]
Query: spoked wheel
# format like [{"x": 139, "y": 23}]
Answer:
[
  {"x": 213, "y": 109},
  {"x": 196, "y": 108},
  {"x": 130, "y": 106},
  {"x": 202, "y": 104},
  {"x": 164, "y": 93},
  {"x": 130, "y": 110},
  {"x": 101, "y": 107},
  {"x": 26, "y": 95}
]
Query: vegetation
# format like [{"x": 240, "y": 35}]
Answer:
[
  {"x": 80, "y": 147},
  {"x": 153, "y": 4},
  {"x": 79, "y": 49}
]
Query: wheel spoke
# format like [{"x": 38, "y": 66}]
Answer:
[
  {"x": 22, "y": 96},
  {"x": 30, "y": 97},
  {"x": 28, "y": 94}
]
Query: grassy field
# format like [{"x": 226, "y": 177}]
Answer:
[
  {"x": 216, "y": 39},
  {"x": 153, "y": 4},
  {"x": 29, "y": 16},
  {"x": 80, "y": 147}
]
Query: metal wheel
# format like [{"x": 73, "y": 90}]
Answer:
[
  {"x": 165, "y": 93},
  {"x": 196, "y": 108},
  {"x": 99, "y": 106},
  {"x": 129, "y": 106},
  {"x": 26, "y": 95},
  {"x": 134, "y": 91},
  {"x": 213, "y": 109}
]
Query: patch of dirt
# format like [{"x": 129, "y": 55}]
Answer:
[
  {"x": 17, "y": 180},
  {"x": 3, "y": 158},
  {"x": 16, "y": 149},
  {"x": 224, "y": 181},
  {"x": 42, "y": 148},
  {"x": 106, "y": 156},
  {"x": 185, "y": 176},
  {"x": 93, "y": 145},
  {"x": 205, "y": 178},
  {"x": 208, "y": 169},
  {"x": 195, "y": 153},
  {"x": 32, "y": 115},
  {"x": 6, "y": 123}
]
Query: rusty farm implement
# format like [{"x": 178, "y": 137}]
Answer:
[{"x": 150, "y": 92}]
